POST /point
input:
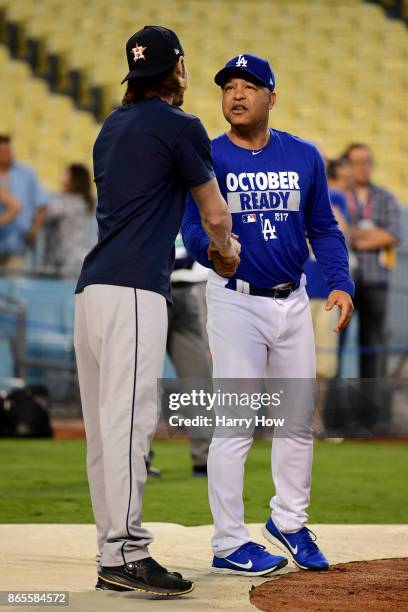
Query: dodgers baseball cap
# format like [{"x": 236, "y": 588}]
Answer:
[
  {"x": 151, "y": 51},
  {"x": 248, "y": 65}
]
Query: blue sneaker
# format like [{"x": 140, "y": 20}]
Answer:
[
  {"x": 301, "y": 546},
  {"x": 250, "y": 559}
]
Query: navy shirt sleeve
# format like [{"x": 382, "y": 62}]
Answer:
[
  {"x": 192, "y": 155},
  {"x": 325, "y": 237},
  {"x": 195, "y": 239}
]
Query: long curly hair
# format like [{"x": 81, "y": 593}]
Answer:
[{"x": 167, "y": 84}]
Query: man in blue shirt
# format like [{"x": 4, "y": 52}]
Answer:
[
  {"x": 19, "y": 181},
  {"x": 338, "y": 173},
  {"x": 259, "y": 322},
  {"x": 146, "y": 156},
  {"x": 375, "y": 230}
]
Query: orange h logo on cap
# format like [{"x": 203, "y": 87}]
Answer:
[{"x": 138, "y": 53}]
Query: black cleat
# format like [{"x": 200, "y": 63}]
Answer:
[
  {"x": 199, "y": 471},
  {"x": 101, "y": 585},
  {"x": 147, "y": 576},
  {"x": 152, "y": 471}
]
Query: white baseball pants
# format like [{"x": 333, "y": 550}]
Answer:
[
  {"x": 259, "y": 337},
  {"x": 120, "y": 343}
]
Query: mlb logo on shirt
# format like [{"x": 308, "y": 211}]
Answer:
[{"x": 250, "y": 218}]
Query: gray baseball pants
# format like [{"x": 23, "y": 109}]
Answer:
[{"x": 120, "y": 343}]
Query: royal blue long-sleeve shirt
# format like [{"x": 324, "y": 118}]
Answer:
[{"x": 278, "y": 198}]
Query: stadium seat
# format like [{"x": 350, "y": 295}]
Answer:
[
  {"x": 332, "y": 60},
  {"x": 43, "y": 125},
  {"x": 49, "y": 323}
]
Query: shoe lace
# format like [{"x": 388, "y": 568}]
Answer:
[
  {"x": 310, "y": 540},
  {"x": 254, "y": 547}
]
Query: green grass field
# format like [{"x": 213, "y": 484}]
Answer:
[{"x": 44, "y": 481}]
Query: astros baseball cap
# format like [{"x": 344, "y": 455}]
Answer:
[
  {"x": 151, "y": 51},
  {"x": 248, "y": 65}
]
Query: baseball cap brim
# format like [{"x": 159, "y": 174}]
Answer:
[
  {"x": 237, "y": 71},
  {"x": 147, "y": 72}
]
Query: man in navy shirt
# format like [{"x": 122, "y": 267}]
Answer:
[
  {"x": 259, "y": 322},
  {"x": 146, "y": 157}
]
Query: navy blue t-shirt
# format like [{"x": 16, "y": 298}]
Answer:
[{"x": 146, "y": 157}]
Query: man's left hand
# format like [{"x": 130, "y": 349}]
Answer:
[{"x": 345, "y": 303}]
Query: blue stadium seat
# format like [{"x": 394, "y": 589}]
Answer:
[
  {"x": 6, "y": 360},
  {"x": 50, "y": 304},
  {"x": 50, "y": 324},
  {"x": 169, "y": 371}
]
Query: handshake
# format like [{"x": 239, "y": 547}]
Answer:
[{"x": 225, "y": 261}]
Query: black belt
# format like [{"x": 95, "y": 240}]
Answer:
[{"x": 277, "y": 294}]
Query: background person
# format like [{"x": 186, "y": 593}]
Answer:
[
  {"x": 186, "y": 344},
  {"x": 338, "y": 180},
  {"x": 18, "y": 236},
  {"x": 10, "y": 207},
  {"x": 70, "y": 230},
  {"x": 324, "y": 321},
  {"x": 188, "y": 349},
  {"x": 339, "y": 177},
  {"x": 374, "y": 233}
]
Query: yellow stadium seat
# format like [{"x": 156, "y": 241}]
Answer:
[{"x": 341, "y": 67}]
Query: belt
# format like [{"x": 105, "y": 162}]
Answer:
[{"x": 249, "y": 289}]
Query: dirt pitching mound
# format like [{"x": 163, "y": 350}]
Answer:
[{"x": 373, "y": 586}]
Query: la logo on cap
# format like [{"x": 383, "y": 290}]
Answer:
[
  {"x": 241, "y": 61},
  {"x": 138, "y": 53}
]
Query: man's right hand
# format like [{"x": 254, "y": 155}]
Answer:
[
  {"x": 225, "y": 266},
  {"x": 226, "y": 261},
  {"x": 232, "y": 250}
]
